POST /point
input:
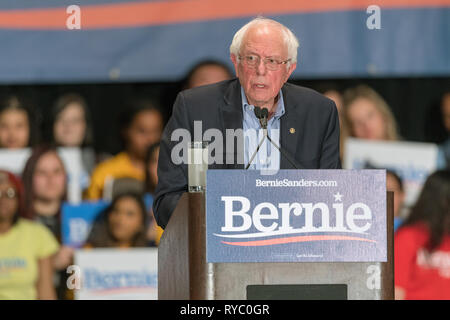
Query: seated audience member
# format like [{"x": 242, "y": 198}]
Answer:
[
  {"x": 151, "y": 173},
  {"x": 151, "y": 180},
  {"x": 331, "y": 91},
  {"x": 368, "y": 115},
  {"x": 445, "y": 112},
  {"x": 207, "y": 72},
  {"x": 435, "y": 129},
  {"x": 70, "y": 125},
  {"x": 17, "y": 129},
  {"x": 422, "y": 244},
  {"x": 123, "y": 224},
  {"x": 26, "y": 247},
  {"x": 45, "y": 181},
  {"x": 395, "y": 184},
  {"x": 141, "y": 126}
]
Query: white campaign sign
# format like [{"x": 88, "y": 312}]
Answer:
[
  {"x": 412, "y": 161},
  {"x": 111, "y": 274},
  {"x": 14, "y": 160}
]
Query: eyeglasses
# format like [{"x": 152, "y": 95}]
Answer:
[
  {"x": 9, "y": 193},
  {"x": 253, "y": 61}
]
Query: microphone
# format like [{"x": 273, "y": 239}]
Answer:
[
  {"x": 263, "y": 114},
  {"x": 258, "y": 113},
  {"x": 264, "y": 117}
]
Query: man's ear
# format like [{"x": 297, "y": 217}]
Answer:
[
  {"x": 291, "y": 69},
  {"x": 235, "y": 63}
]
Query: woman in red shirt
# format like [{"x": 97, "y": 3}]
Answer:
[{"x": 422, "y": 244}]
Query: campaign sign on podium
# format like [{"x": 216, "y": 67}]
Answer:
[{"x": 296, "y": 216}]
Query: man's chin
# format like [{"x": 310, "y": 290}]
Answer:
[{"x": 259, "y": 100}]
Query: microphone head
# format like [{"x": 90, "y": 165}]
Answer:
[
  {"x": 257, "y": 111},
  {"x": 264, "y": 113}
]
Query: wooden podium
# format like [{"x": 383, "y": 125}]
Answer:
[{"x": 183, "y": 272}]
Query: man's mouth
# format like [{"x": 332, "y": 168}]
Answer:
[{"x": 259, "y": 86}]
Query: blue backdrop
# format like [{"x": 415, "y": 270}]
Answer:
[{"x": 411, "y": 41}]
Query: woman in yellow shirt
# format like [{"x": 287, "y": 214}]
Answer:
[
  {"x": 26, "y": 248},
  {"x": 141, "y": 126}
]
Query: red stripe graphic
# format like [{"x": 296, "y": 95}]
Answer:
[
  {"x": 135, "y": 14},
  {"x": 270, "y": 242}
]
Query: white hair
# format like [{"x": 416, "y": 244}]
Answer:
[{"x": 290, "y": 39}]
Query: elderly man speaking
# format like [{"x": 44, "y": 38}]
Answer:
[{"x": 303, "y": 123}]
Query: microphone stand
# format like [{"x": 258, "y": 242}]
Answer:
[
  {"x": 262, "y": 115},
  {"x": 257, "y": 112},
  {"x": 257, "y": 148}
]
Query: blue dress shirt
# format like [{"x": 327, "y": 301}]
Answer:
[{"x": 268, "y": 156}]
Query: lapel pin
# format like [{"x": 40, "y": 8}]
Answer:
[{"x": 292, "y": 130}]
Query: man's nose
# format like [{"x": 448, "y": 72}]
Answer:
[{"x": 261, "y": 67}]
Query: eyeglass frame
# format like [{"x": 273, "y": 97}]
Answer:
[
  {"x": 8, "y": 194},
  {"x": 258, "y": 61}
]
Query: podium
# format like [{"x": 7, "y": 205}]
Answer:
[{"x": 184, "y": 273}]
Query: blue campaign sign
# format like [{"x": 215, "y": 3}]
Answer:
[
  {"x": 296, "y": 216},
  {"x": 77, "y": 220}
]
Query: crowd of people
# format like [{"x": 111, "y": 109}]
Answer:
[
  {"x": 422, "y": 233},
  {"x": 33, "y": 257}
]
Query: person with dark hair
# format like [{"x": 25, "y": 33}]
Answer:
[
  {"x": 17, "y": 127},
  {"x": 70, "y": 125},
  {"x": 445, "y": 111},
  {"x": 395, "y": 184},
  {"x": 141, "y": 126},
  {"x": 154, "y": 232},
  {"x": 207, "y": 72},
  {"x": 444, "y": 147},
  {"x": 151, "y": 172},
  {"x": 70, "y": 122},
  {"x": 121, "y": 225},
  {"x": 26, "y": 247},
  {"x": 45, "y": 182},
  {"x": 437, "y": 119},
  {"x": 422, "y": 244}
]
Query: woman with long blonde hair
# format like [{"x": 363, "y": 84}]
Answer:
[{"x": 368, "y": 115}]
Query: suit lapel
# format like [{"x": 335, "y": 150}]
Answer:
[
  {"x": 232, "y": 118},
  {"x": 290, "y": 127}
]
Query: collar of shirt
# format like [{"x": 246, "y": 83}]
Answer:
[
  {"x": 248, "y": 108},
  {"x": 268, "y": 157}
]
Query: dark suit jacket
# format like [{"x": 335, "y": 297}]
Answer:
[{"x": 313, "y": 145}]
